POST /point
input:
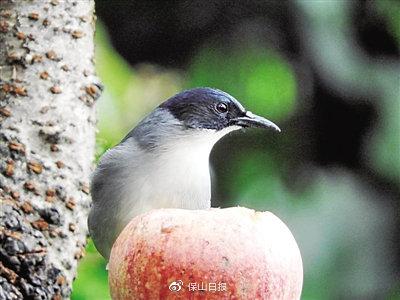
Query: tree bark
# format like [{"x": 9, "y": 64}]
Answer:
[{"x": 47, "y": 139}]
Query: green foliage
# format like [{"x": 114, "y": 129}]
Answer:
[
  {"x": 114, "y": 72},
  {"x": 91, "y": 282},
  {"x": 385, "y": 144},
  {"x": 256, "y": 180},
  {"x": 391, "y": 10}
]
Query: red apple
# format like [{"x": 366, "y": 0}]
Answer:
[{"x": 231, "y": 253}]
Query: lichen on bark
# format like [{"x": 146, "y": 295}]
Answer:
[{"x": 47, "y": 138}]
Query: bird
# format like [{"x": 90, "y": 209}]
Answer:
[{"x": 163, "y": 162}]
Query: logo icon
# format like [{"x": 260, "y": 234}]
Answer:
[{"x": 176, "y": 286}]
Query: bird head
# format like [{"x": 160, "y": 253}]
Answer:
[{"x": 212, "y": 109}]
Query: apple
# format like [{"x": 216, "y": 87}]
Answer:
[{"x": 230, "y": 253}]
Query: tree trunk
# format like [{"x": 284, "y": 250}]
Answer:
[{"x": 47, "y": 140}]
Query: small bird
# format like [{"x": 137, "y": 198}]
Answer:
[{"x": 164, "y": 161}]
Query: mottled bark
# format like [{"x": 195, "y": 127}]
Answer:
[{"x": 47, "y": 138}]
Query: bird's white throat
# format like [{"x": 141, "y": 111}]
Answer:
[{"x": 174, "y": 175}]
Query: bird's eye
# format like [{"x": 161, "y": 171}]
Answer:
[{"x": 222, "y": 107}]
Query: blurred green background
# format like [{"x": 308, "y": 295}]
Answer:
[{"x": 327, "y": 72}]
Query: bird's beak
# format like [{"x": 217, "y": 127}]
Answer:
[{"x": 252, "y": 120}]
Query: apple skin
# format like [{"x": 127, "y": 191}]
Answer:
[{"x": 253, "y": 253}]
